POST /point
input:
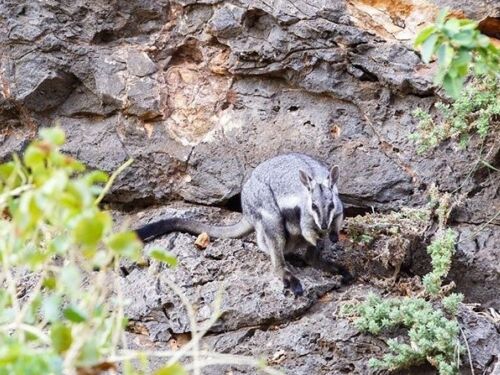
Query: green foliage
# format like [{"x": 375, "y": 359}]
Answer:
[
  {"x": 441, "y": 251},
  {"x": 432, "y": 335},
  {"x": 174, "y": 369},
  {"x": 451, "y": 302},
  {"x": 163, "y": 256},
  {"x": 433, "y": 330},
  {"x": 53, "y": 232},
  {"x": 406, "y": 222},
  {"x": 458, "y": 45},
  {"x": 475, "y": 110},
  {"x": 70, "y": 317}
]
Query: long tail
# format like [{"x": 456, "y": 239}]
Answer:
[{"x": 161, "y": 227}]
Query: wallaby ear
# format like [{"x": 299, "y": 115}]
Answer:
[
  {"x": 305, "y": 179},
  {"x": 334, "y": 175}
]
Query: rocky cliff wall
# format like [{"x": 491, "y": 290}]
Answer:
[{"x": 199, "y": 92}]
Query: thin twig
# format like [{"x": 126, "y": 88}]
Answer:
[
  {"x": 221, "y": 358},
  {"x": 9, "y": 277},
  {"x": 112, "y": 180},
  {"x": 81, "y": 333},
  {"x": 17, "y": 191},
  {"x": 118, "y": 319},
  {"x": 27, "y": 328},
  {"x": 480, "y": 228},
  {"x": 468, "y": 350},
  {"x": 34, "y": 293},
  {"x": 196, "y": 335}
]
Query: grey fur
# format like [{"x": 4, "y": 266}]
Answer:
[
  {"x": 278, "y": 201},
  {"x": 290, "y": 200}
]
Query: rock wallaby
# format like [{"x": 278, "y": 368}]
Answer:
[{"x": 290, "y": 200}]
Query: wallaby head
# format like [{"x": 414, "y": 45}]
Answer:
[{"x": 321, "y": 197}]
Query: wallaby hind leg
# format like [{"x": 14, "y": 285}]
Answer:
[{"x": 271, "y": 238}]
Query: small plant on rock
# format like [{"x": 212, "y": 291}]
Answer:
[
  {"x": 459, "y": 47},
  {"x": 475, "y": 111},
  {"x": 433, "y": 330}
]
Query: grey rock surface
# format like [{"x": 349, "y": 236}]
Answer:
[{"x": 306, "y": 335}]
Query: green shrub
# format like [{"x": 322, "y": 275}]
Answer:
[
  {"x": 433, "y": 331},
  {"x": 432, "y": 336},
  {"x": 61, "y": 302},
  {"x": 476, "y": 110},
  {"x": 441, "y": 251}
]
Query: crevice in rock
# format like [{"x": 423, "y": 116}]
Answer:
[
  {"x": 252, "y": 329},
  {"x": 490, "y": 26},
  {"x": 165, "y": 308},
  {"x": 366, "y": 75},
  {"x": 189, "y": 52},
  {"x": 124, "y": 272},
  {"x": 252, "y": 17},
  {"x": 233, "y": 204},
  {"x": 137, "y": 203},
  {"x": 103, "y": 37},
  {"x": 352, "y": 211}
]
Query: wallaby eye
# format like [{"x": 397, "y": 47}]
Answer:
[
  {"x": 314, "y": 207},
  {"x": 331, "y": 207}
]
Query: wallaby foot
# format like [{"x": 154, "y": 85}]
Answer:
[
  {"x": 347, "y": 277},
  {"x": 292, "y": 283}
]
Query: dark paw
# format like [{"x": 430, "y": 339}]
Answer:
[
  {"x": 292, "y": 283},
  {"x": 334, "y": 268},
  {"x": 347, "y": 277},
  {"x": 312, "y": 256},
  {"x": 334, "y": 237}
]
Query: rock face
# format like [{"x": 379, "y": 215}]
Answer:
[
  {"x": 200, "y": 92},
  {"x": 305, "y": 335},
  {"x": 170, "y": 83}
]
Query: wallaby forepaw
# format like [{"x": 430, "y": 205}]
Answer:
[
  {"x": 347, "y": 277},
  {"x": 334, "y": 237},
  {"x": 294, "y": 284}
]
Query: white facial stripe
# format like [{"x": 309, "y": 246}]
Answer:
[
  {"x": 316, "y": 219},
  {"x": 332, "y": 215}
]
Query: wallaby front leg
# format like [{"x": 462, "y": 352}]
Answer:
[
  {"x": 315, "y": 259},
  {"x": 313, "y": 253},
  {"x": 289, "y": 280},
  {"x": 336, "y": 227}
]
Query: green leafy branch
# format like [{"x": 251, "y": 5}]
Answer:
[
  {"x": 458, "y": 45},
  {"x": 61, "y": 298},
  {"x": 432, "y": 336}
]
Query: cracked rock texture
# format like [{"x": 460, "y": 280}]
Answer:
[{"x": 200, "y": 92}]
